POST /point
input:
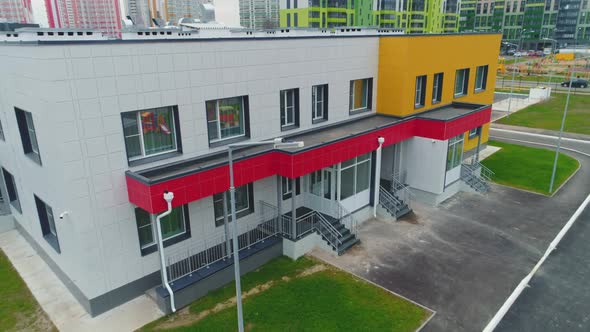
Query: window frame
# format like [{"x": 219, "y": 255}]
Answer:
[
  {"x": 464, "y": 84},
  {"x": 293, "y": 95},
  {"x": 420, "y": 91},
  {"x": 368, "y": 94},
  {"x": 455, "y": 143},
  {"x": 28, "y": 134},
  {"x": 286, "y": 194},
  {"x": 355, "y": 165},
  {"x": 474, "y": 132},
  {"x": 315, "y": 118},
  {"x": 47, "y": 223},
  {"x": 143, "y": 159},
  {"x": 437, "y": 87},
  {"x": 149, "y": 248},
  {"x": 482, "y": 85},
  {"x": 231, "y": 139},
  {"x": 9, "y": 178},
  {"x": 239, "y": 213}
]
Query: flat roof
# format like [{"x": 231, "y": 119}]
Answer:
[{"x": 313, "y": 139}]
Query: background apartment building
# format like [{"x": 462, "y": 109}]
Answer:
[
  {"x": 140, "y": 11},
  {"x": 259, "y": 14},
  {"x": 567, "y": 21},
  {"x": 418, "y": 16},
  {"x": 100, "y": 15},
  {"x": 95, "y": 133},
  {"x": 16, "y": 11},
  {"x": 177, "y": 9}
]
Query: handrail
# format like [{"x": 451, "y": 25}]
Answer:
[
  {"x": 389, "y": 198},
  {"x": 407, "y": 196},
  {"x": 335, "y": 235}
]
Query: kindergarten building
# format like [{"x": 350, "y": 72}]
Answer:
[{"x": 96, "y": 130}]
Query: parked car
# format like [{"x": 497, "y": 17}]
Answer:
[
  {"x": 539, "y": 53},
  {"x": 577, "y": 83},
  {"x": 510, "y": 52},
  {"x": 531, "y": 53}
]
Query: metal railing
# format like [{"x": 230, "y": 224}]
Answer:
[
  {"x": 331, "y": 208},
  {"x": 472, "y": 169},
  {"x": 214, "y": 249},
  {"x": 389, "y": 201},
  {"x": 327, "y": 230},
  {"x": 401, "y": 190}
]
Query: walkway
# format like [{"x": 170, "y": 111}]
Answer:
[{"x": 60, "y": 305}]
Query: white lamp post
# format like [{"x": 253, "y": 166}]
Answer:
[{"x": 278, "y": 143}]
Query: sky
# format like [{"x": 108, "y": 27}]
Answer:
[{"x": 226, "y": 11}]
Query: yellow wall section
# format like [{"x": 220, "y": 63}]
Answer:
[
  {"x": 403, "y": 58},
  {"x": 469, "y": 144}
]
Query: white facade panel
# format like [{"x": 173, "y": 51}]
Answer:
[
  {"x": 77, "y": 94},
  {"x": 424, "y": 161}
]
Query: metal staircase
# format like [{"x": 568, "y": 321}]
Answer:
[
  {"x": 477, "y": 176},
  {"x": 397, "y": 199},
  {"x": 335, "y": 233},
  {"x": 331, "y": 221}
]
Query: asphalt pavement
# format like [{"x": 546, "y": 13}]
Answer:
[
  {"x": 558, "y": 296},
  {"x": 505, "y": 83},
  {"x": 464, "y": 257}
]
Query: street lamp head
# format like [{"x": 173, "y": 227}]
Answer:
[{"x": 289, "y": 145}]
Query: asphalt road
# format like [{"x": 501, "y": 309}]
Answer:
[
  {"x": 555, "y": 85},
  {"x": 558, "y": 296},
  {"x": 574, "y": 145}
]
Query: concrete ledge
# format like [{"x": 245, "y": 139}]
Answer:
[
  {"x": 7, "y": 223},
  {"x": 195, "y": 290}
]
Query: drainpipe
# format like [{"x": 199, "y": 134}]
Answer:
[
  {"x": 168, "y": 196},
  {"x": 380, "y": 140}
]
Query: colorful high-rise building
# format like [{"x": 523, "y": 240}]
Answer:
[
  {"x": 414, "y": 16},
  {"x": 16, "y": 11},
  {"x": 174, "y": 10},
  {"x": 139, "y": 11},
  {"x": 100, "y": 15},
  {"x": 529, "y": 23},
  {"x": 259, "y": 14}
]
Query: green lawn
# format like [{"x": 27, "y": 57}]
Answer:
[
  {"x": 327, "y": 300},
  {"x": 548, "y": 114},
  {"x": 19, "y": 311},
  {"x": 528, "y": 168}
]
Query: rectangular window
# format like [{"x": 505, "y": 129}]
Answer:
[
  {"x": 360, "y": 95},
  {"x": 437, "y": 86},
  {"x": 47, "y": 221},
  {"x": 319, "y": 103},
  {"x": 1, "y": 132},
  {"x": 175, "y": 228},
  {"x": 244, "y": 203},
  {"x": 28, "y": 134},
  {"x": 481, "y": 78},
  {"x": 461, "y": 82},
  {"x": 227, "y": 118},
  {"x": 11, "y": 189},
  {"x": 455, "y": 152},
  {"x": 289, "y": 109},
  {"x": 295, "y": 20},
  {"x": 355, "y": 175},
  {"x": 420, "y": 96},
  {"x": 151, "y": 132},
  {"x": 474, "y": 132},
  {"x": 287, "y": 188}
]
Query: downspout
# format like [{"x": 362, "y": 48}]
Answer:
[
  {"x": 168, "y": 196},
  {"x": 380, "y": 140}
]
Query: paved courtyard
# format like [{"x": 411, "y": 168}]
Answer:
[{"x": 465, "y": 257}]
